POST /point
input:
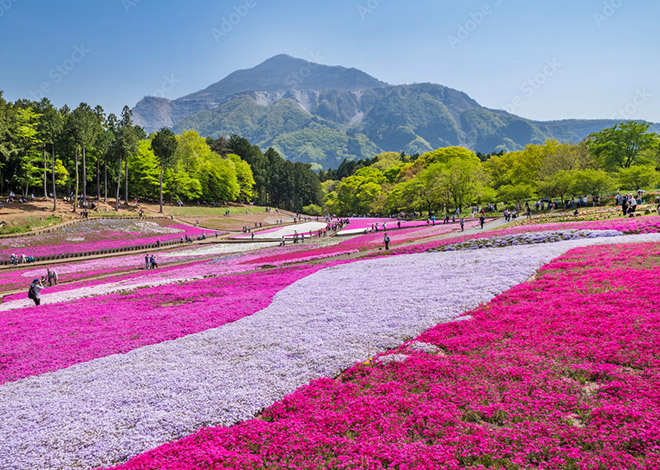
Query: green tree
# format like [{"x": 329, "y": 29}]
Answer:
[
  {"x": 518, "y": 193},
  {"x": 125, "y": 144},
  {"x": 638, "y": 177},
  {"x": 85, "y": 127},
  {"x": 620, "y": 146},
  {"x": 591, "y": 182},
  {"x": 244, "y": 176},
  {"x": 356, "y": 193},
  {"x": 164, "y": 145},
  {"x": 145, "y": 169}
]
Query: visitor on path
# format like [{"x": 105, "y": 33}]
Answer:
[
  {"x": 482, "y": 219},
  {"x": 146, "y": 262},
  {"x": 23, "y": 259},
  {"x": 49, "y": 277},
  {"x": 462, "y": 224},
  {"x": 34, "y": 292},
  {"x": 633, "y": 204},
  {"x": 386, "y": 240},
  {"x": 252, "y": 236},
  {"x": 13, "y": 259},
  {"x": 154, "y": 264}
]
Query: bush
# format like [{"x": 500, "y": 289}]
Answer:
[{"x": 312, "y": 209}]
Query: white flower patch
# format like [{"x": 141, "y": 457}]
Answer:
[
  {"x": 290, "y": 230},
  {"x": 528, "y": 238},
  {"x": 218, "y": 249},
  {"x": 149, "y": 227},
  {"x": 107, "y": 410}
]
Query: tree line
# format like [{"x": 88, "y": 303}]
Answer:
[
  {"x": 625, "y": 157},
  {"x": 84, "y": 153}
]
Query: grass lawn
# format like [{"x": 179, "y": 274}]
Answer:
[{"x": 192, "y": 211}]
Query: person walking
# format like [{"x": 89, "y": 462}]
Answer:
[
  {"x": 146, "y": 262},
  {"x": 154, "y": 264},
  {"x": 34, "y": 292},
  {"x": 462, "y": 224},
  {"x": 482, "y": 219},
  {"x": 386, "y": 240}
]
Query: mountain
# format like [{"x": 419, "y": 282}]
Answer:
[{"x": 322, "y": 114}]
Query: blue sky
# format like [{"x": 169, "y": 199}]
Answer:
[{"x": 541, "y": 60}]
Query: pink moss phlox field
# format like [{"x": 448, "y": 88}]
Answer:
[
  {"x": 407, "y": 235},
  {"x": 42, "y": 339},
  {"x": 106, "y": 240},
  {"x": 300, "y": 255},
  {"x": 110, "y": 275},
  {"x": 626, "y": 226},
  {"x": 559, "y": 373},
  {"x": 357, "y": 223}
]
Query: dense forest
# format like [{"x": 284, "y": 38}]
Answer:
[{"x": 84, "y": 153}]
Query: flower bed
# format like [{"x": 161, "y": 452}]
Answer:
[
  {"x": 559, "y": 373},
  {"x": 531, "y": 238},
  {"x": 359, "y": 225},
  {"x": 626, "y": 226},
  {"x": 287, "y": 231},
  {"x": 299, "y": 256},
  {"x": 407, "y": 235},
  {"x": 52, "y": 337},
  {"x": 95, "y": 235},
  {"x": 103, "y": 411}
]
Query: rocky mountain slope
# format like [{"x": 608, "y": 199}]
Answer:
[{"x": 321, "y": 114}]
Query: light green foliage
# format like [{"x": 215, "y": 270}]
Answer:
[
  {"x": 244, "y": 176},
  {"x": 593, "y": 183},
  {"x": 356, "y": 193},
  {"x": 387, "y": 160},
  {"x": 61, "y": 173},
  {"x": 444, "y": 155},
  {"x": 620, "y": 146},
  {"x": 180, "y": 185},
  {"x": 638, "y": 177},
  {"x": 216, "y": 175},
  {"x": 312, "y": 209},
  {"x": 518, "y": 193},
  {"x": 558, "y": 185},
  {"x": 559, "y": 157},
  {"x": 145, "y": 171}
]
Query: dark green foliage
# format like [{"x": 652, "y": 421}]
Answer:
[{"x": 278, "y": 182}]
